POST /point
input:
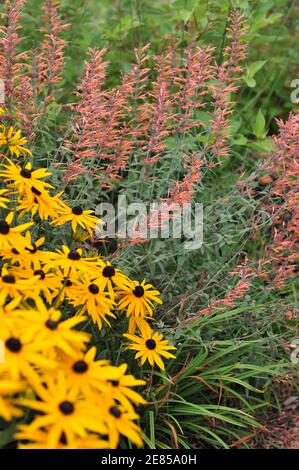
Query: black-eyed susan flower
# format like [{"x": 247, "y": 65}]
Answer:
[
  {"x": 120, "y": 421},
  {"x": 121, "y": 388},
  {"x": 150, "y": 346},
  {"x": 66, "y": 282},
  {"x": 8, "y": 388},
  {"x": 87, "y": 374},
  {"x": 10, "y": 237},
  {"x": 90, "y": 296},
  {"x": 78, "y": 217},
  {"x": 24, "y": 179},
  {"x": 32, "y": 255},
  {"x": 13, "y": 140},
  {"x": 13, "y": 255},
  {"x": 46, "y": 327},
  {"x": 44, "y": 282},
  {"x": 110, "y": 277},
  {"x": 12, "y": 285},
  {"x": 39, "y": 202},
  {"x": 137, "y": 300},
  {"x": 63, "y": 412},
  {"x": 22, "y": 355},
  {"x": 71, "y": 262}
]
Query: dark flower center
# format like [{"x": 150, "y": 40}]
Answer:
[
  {"x": 138, "y": 291},
  {"x": 67, "y": 282},
  {"x": 77, "y": 210},
  {"x": 4, "y": 227},
  {"x": 63, "y": 439},
  {"x": 93, "y": 289},
  {"x": 33, "y": 249},
  {"x": 51, "y": 324},
  {"x": 35, "y": 191},
  {"x": 74, "y": 255},
  {"x": 80, "y": 367},
  {"x": 115, "y": 383},
  {"x": 108, "y": 271},
  {"x": 66, "y": 407},
  {"x": 9, "y": 279},
  {"x": 115, "y": 411},
  {"x": 150, "y": 344},
  {"x": 25, "y": 173},
  {"x": 40, "y": 273},
  {"x": 13, "y": 344}
]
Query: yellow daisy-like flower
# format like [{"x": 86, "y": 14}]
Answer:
[
  {"x": 64, "y": 414},
  {"x": 13, "y": 140},
  {"x": 13, "y": 255},
  {"x": 46, "y": 283},
  {"x": 24, "y": 179},
  {"x": 3, "y": 199},
  {"x": 150, "y": 347},
  {"x": 78, "y": 217},
  {"x": 39, "y": 439},
  {"x": 22, "y": 355},
  {"x": 71, "y": 262},
  {"x": 87, "y": 374},
  {"x": 9, "y": 387},
  {"x": 119, "y": 421},
  {"x": 10, "y": 237},
  {"x": 121, "y": 388},
  {"x": 66, "y": 283},
  {"x": 39, "y": 202},
  {"x": 45, "y": 327},
  {"x": 93, "y": 300},
  {"x": 33, "y": 256},
  {"x": 2, "y": 111},
  {"x": 110, "y": 277},
  {"x": 14, "y": 286},
  {"x": 137, "y": 299}
]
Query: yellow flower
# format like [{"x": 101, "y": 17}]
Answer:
[
  {"x": 39, "y": 439},
  {"x": 137, "y": 299},
  {"x": 39, "y": 202},
  {"x": 71, "y": 262},
  {"x": 119, "y": 421},
  {"x": 46, "y": 327},
  {"x": 150, "y": 346},
  {"x": 66, "y": 283},
  {"x": 77, "y": 216},
  {"x": 12, "y": 286},
  {"x": 24, "y": 179},
  {"x": 3, "y": 200},
  {"x": 9, "y": 387},
  {"x": 87, "y": 374},
  {"x": 32, "y": 256},
  {"x": 22, "y": 356},
  {"x": 63, "y": 412},
  {"x": 13, "y": 140},
  {"x": 46, "y": 283},
  {"x": 120, "y": 388},
  {"x": 110, "y": 277},
  {"x": 10, "y": 237},
  {"x": 93, "y": 300}
]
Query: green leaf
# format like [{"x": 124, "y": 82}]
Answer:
[
  {"x": 251, "y": 70},
  {"x": 259, "y": 126}
]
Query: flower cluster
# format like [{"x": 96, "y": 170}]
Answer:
[{"x": 50, "y": 368}]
